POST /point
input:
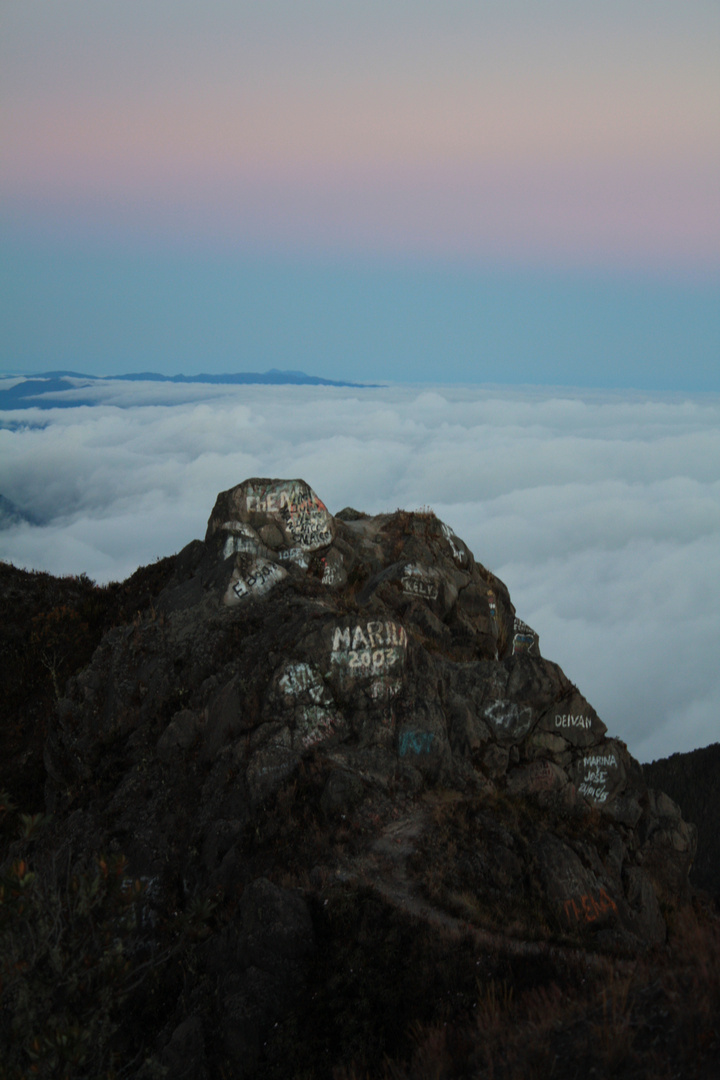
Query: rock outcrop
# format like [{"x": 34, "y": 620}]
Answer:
[{"x": 373, "y": 662}]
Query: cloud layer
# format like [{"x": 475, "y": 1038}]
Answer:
[{"x": 601, "y": 512}]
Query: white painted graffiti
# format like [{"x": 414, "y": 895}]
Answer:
[
  {"x": 524, "y": 638},
  {"x": 375, "y": 649},
  {"x": 306, "y": 518},
  {"x": 318, "y": 720},
  {"x": 595, "y": 780},
  {"x": 593, "y": 760},
  {"x": 315, "y": 724},
  {"x": 332, "y": 573},
  {"x": 243, "y": 539},
  {"x": 418, "y": 581},
  {"x": 572, "y": 721},
  {"x": 263, "y": 576},
  {"x": 458, "y": 553},
  {"x": 597, "y": 791},
  {"x": 302, "y": 679},
  {"x": 294, "y": 555},
  {"x": 508, "y": 716}
]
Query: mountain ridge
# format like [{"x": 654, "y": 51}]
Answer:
[
  {"x": 348, "y": 786},
  {"x": 31, "y": 390}
]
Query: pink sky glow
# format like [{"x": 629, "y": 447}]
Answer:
[{"x": 545, "y": 132}]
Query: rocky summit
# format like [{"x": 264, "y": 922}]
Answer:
[{"x": 320, "y": 717}]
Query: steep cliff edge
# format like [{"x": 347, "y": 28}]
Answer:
[{"x": 315, "y": 703}]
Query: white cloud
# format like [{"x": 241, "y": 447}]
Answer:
[{"x": 600, "y": 511}]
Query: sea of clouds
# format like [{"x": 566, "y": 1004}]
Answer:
[{"x": 600, "y": 511}]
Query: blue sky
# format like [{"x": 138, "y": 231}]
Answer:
[
  {"x": 452, "y": 191},
  {"x": 114, "y": 312}
]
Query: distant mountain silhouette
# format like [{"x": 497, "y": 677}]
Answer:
[{"x": 39, "y": 391}]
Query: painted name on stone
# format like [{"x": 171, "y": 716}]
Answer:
[
  {"x": 290, "y": 496},
  {"x": 593, "y": 760},
  {"x": 373, "y": 649},
  {"x": 595, "y": 778},
  {"x": 332, "y": 573},
  {"x": 418, "y": 582},
  {"x": 589, "y": 908},
  {"x": 258, "y": 581},
  {"x": 294, "y": 555},
  {"x": 305, "y": 516},
  {"x": 567, "y": 720}
]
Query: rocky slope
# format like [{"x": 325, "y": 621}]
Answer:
[
  {"x": 322, "y": 717},
  {"x": 691, "y": 781}
]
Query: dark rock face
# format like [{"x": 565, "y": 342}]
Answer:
[
  {"x": 691, "y": 780},
  {"x": 377, "y": 652}
]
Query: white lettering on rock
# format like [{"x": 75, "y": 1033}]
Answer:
[
  {"x": 458, "y": 554},
  {"x": 301, "y": 678},
  {"x": 599, "y": 759},
  {"x": 294, "y": 555},
  {"x": 305, "y": 517},
  {"x": 315, "y": 724},
  {"x": 598, "y": 794},
  {"x": 243, "y": 539},
  {"x": 418, "y": 581},
  {"x": 332, "y": 574},
  {"x": 567, "y": 720},
  {"x": 374, "y": 649},
  {"x": 262, "y": 577},
  {"x": 596, "y": 777},
  {"x": 317, "y": 717}
]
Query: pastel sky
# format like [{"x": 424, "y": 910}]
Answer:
[{"x": 513, "y": 144}]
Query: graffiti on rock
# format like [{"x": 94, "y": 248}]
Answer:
[
  {"x": 304, "y": 515},
  {"x": 594, "y": 784},
  {"x": 420, "y": 581},
  {"x": 316, "y": 720},
  {"x": 294, "y": 555},
  {"x": 314, "y": 724},
  {"x": 524, "y": 639},
  {"x": 378, "y": 648},
  {"x": 415, "y": 742},
  {"x": 508, "y": 718},
  {"x": 384, "y": 689},
  {"x": 257, "y": 581},
  {"x": 458, "y": 554},
  {"x": 243, "y": 539},
  {"x": 333, "y": 572},
  {"x": 588, "y": 908},
  {"x": 301, "y": 678},
  {"x": 566, "y": 720}
]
